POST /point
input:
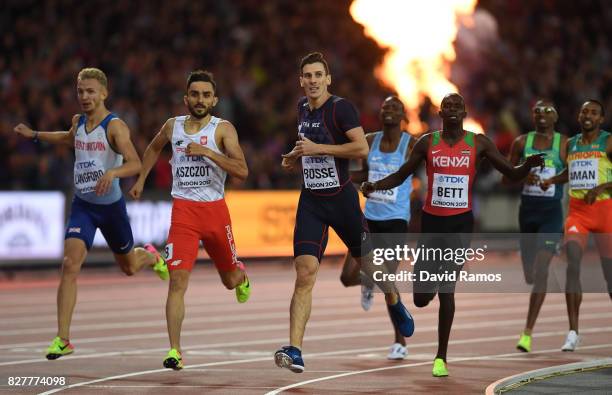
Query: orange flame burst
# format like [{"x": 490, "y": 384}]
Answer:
[{"x": 419, "y": 36}]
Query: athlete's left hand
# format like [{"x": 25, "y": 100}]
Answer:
[
  {"x": 308, "y": 147},
  {"x": 592, "y": 194},
  {"x": 194, "y": 149},
  {"x": 535, "y": 161},
  {"x": 104, "y": 183}
]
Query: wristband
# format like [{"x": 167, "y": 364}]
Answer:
[{"x": 35, "y": 139}]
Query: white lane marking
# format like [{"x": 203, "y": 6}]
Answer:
[
  {"x": 330, "y": 353},
  {"x": 493, "y": 356}
]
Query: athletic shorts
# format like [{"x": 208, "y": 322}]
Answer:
[
  {"x": 315, "y": 214},
  {"x": 388, "y": 234},
  {"x": 541, "y": 225},
  {"x": 441, "y": 232},
  {"x": 112, "y": 220},
  {"x": 192, "y": 222},
  {"x": 584, "y": 218}
]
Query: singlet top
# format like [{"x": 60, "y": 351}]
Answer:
[
  {"x": 552, "y": 165},
  {"x": 588, "y": 166},
  {"x": 196, "y": 178},
  {"x": 94, "y": 155},
  {"x": 392, "y": 203},
  {"x": 450, "y": 175}
]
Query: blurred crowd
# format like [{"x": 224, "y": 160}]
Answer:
[{"x": 548, "y": 49}]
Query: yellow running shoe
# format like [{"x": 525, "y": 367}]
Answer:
[
  {"x": 524, "y": 343},
  {"x": 59, "y": 348},
  {"x": 160, "y": 267},
  {"x": 174, "y": 360},
  {"x": 439, "y": 368},
  {"x": 243, "y": 291}
]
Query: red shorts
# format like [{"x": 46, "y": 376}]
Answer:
[
  {"x": 595, "y": 218},
  {"x": 206, "y": 221}
]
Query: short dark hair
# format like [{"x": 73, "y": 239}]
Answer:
[
  {"x": 600, "y": 104},
  {"x": 202, "y": 75},
  {"x": 314, "y": 57}
]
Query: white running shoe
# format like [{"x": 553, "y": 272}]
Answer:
[
  {"x": 367, "y": 297},
  {"x": 397, "y": 352},
  {"x": 571, "y": 341}
]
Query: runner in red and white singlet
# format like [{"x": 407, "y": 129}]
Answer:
[{"x": 451, "y": 157}]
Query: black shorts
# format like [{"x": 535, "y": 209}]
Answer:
[
  {"x": 388, "y": 234},
  {"x": 441, "y": 233},
  {"x": 315, "y": 214}
]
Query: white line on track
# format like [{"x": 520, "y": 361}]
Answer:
[
  {"x": 224, "y": 363},
  {"x": 493, "y": 356},
  {"x": 469, "y": 326}
]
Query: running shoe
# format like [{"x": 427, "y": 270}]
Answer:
[
  {"x": 174, "y": 360},
  {"x": 289, "y": 357},
  {"x": 397, "y": 352},
  {"x": 571, "y": 341},
  {"x": 401, "y": 318},
  {"x": 243, "y": 291},
  {"x": 439, "y": 368},
  {"x": 59, "y": 348},
  {"x": 524, "y": 343},
  {"x": 367, "y": 297},
  {"x": 160, "y": 267}
]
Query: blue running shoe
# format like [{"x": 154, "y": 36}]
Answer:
[
  {"x": 401, "y": 318},
  {"x": 291, "y": 358}
]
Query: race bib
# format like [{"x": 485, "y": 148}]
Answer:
[
  {"x": 535, "y": 190},
  {"x": 320, "y": 172},
  {"x": 583, "y": 173},
  {"x": 87, "y": 174},
  {"x": 450, "y": 190},
  {"x": 193, "y": 172},
  {"x": 382, "y": 196}
]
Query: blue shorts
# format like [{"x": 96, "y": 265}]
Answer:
[
  {"x": 341, "y": 211},
  {"x": 112, "y": 220}
]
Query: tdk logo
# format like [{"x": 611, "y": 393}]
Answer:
[
  {"x": 451, "y": 179},
  {"x": 178, "y": 142},
  {"x": 85, "y": 165}
]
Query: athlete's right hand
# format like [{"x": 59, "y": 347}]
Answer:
[
  {"x": 24, "y": 131},
  {"x": 290, "y": 159},
  {"x": 545, "y": 184},
  {"x": 136, "y": 191},
  {"x": 532, "y": 179},
  {"x": 367, "y": 188}
]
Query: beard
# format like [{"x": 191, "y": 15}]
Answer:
[{"x": 199, "y": 112}]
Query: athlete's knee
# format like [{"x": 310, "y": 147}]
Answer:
[
  {"x": 70, "y": 266},
  {"x": 306, "y": 274},
  {"x": 178, "y": 281},
  {"x": 422, "y": 299}
]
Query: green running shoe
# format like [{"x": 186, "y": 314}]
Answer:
[
  {"x": 243, "y": 291},
  {"x": 439, "y": 368},
  {"x": 160, "y": 267},
  {"x": 524, "y": 343},
  {"x": 173, "y": 360},
  {"x": 59, "y": 348}
]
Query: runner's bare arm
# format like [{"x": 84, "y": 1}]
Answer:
[
  {"x": 233, "y": 161},
  {"x": 516, "y": 151},
  {"x": 514, "y": 173},
  {"x": 361, "y": 175},
  {"x": 562, "y": 177},
  {"x": 59, "y": 137},
  {"x": 151, "y": 155},
  {"x": 417, "y": 156}
]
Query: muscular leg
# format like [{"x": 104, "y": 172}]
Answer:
[
  {"x": 233, "y": 278},
  {"x": 132, "y": 262},
  {"x": 75, "y": 252},
  {"x": 175, "y": 306},
  {"x": 306, "y": 268},
  {"x": 350, "y": 272},
  {"x": 573, "y": 291},
  {"x": 446, "y": 314},
  {"x": 538, "y": 293}
]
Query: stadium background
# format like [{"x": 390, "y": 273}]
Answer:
[{"x": 516, "y": 52}]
